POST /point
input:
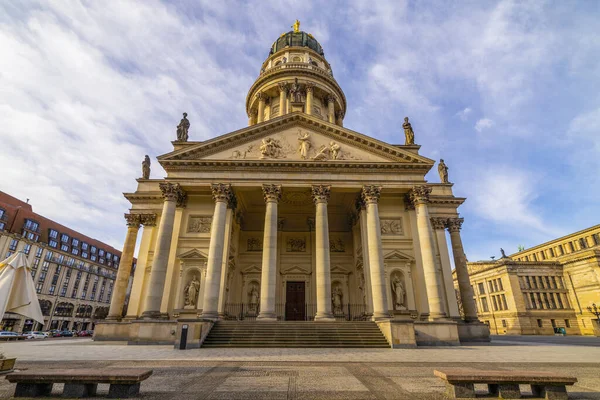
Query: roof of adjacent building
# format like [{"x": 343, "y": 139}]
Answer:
[{"x": 18, "y": 211}]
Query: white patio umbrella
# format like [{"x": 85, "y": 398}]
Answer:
[{"x": 17, "y": 290}]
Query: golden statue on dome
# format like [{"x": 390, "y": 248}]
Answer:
[{"x": 296, "y": 26}]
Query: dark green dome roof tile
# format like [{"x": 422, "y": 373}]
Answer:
[{"x": 300, "y": 39}]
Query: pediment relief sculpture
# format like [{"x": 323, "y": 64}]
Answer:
[{"x": 296, "y": 245}]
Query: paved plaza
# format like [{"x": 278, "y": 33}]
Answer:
[{"x": 313, "y": 373}]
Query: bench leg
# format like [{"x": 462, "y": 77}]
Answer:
[
  {"x": 493, "y": 389},
  {"x": 554, "y": 392},
  {"x": 460, "y": 390},
  {"x": 33, "y": 389},
  {"x": 118, "y": 390},
  {"x": 509, "y": 391},
  {"x": 80, "y": 389}
]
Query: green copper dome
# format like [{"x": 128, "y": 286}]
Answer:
[{"x": 300, "y": 38}]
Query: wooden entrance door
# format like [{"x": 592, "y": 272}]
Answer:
[{"x": 294, "y": 301}]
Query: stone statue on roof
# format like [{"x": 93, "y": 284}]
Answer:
[
  {"x": 408, "y": 132},
  {"x": 443, "y": 171},
  {"x": 182, "y": 129},
  {"x": 146, "y": 167}
]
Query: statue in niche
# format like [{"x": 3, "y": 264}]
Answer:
[
  {"x": 182, "y": 129},
  {"x": 146, "y": 167},
  {"x": 443, "y": 171},
  {"x": 191, "y": 293},
  {"x": 303, "y": 144},
  {"x": 408, "y": 132},
  {"x": 295, "y": 92},
  {"x": 337, "y": 300},
  {"x": 253, "y": 297},
  {"x": 399, "y": 292}
]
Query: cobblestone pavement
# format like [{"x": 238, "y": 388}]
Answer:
[
  {"x": 498, "y": 351},
  {"x": 186, "y": 379},
  {"x": 308, "y": 373}
]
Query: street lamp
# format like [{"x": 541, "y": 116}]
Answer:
[{"x": 596, "y": 311}]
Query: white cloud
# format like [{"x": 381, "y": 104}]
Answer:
[
  {"x": 484, "y": 123},
  {"x": 464, "y": 114}
]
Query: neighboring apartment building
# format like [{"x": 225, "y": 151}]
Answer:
[
  {"x": 73, "y": 273},
  {"x": 547, "y": 286}
]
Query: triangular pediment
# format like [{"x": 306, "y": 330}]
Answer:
[
  {"x": 252, "y": 269},
  {"x": 193, "y": 254},
  {"x": 397, "y": 256},
  {"x": 295, "y": 270},
  {"x": 297, "y": 138}
]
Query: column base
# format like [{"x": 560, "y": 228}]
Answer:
[
  {"x": 113, "y": 318},
  {"x": 213, "y": 316},
  {"x": 154, "y": 315},
  {"x": 438, "y": 317},
  {"x": 380, "y": 316},
  {"x": 324, "y": 318},
  {"x": 267, "y": 317}
]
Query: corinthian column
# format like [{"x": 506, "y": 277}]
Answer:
[
  {"x": 283, "y": 89},
  {"x": 309, "y": 97},
  {"x": 462, "y": 273},
  {"x": 173, "y": 194},
  {"x": 223, "y": 197},
  {"x": 272, "y": 194},
  {"x": 323, "y": 268},
  {"x": 370, "y": 195},
  {"x": 120, "y": 287},
  {"x": 261, "y": 106},
  {"x": 339, "y": 116},
  {"x": 435, "y": 293},
  {"x": 331, "y": 108},
  {"x": 252, "y": 117}
]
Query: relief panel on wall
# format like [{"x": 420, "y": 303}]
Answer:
[{"x": 199, "y": 224}]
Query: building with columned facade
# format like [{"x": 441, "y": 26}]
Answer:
[
  {"x": 551, "y": 285},
  {"x": 293, "y": 218}
]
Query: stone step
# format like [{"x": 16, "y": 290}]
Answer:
[{"x": 295, "y": 334}]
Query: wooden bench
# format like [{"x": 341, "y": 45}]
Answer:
[
  {"x": 505, "y": 384},
  {"x": 124, "y": 382}
]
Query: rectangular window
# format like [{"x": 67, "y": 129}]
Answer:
[
  {"x": 84, "y": 246},
  {"x": 567, "y": 323},
  {"x": 547, "y": 278},
  {"x": 45, "y": 266},
  {"x": 582, "y": 243},
  {"x": 84, "y": 254},
  {"x": 75, "y": 242},
  {"x": 93, "y": 257},
  {"x": 38, "y": 287},
  {"x": 504, "y": 301},
  {"x": 546, "y": 302},
  {"x": 38, "y": 252},
  {"x": 64, "y": 247},
  {"x": 13, "y": 244},
  {"x": 553, "y": 322},
  {"x": 571, "y": 247},
  {"x": 554, "y": 282},
  {"x": 504, "y": 323},
  {"x": 500, "y": 283},
  {"x": 481, "y": 288},
  {"x": 101, "y": 253},
  {"x": 64, "y": 238},
  {"x": 53, "y": 243},
  {"x": 484, "y": 304},
  {"x": 552, "y": 252},
  {"x": 559, "y": 298},
  {"x": 542, "y": 255},
  {"x": 539, "y": 322},
  {"x": 93, "y": 250},
  {"x": 27, "y": 248},
  {"x": 36, "y": 263},
  {"x": 75, "y": 251},
  {"x": 539, "y": 300},
  {"x": 552, "y": 301},
  {"x": 532, "y": 298},
  {"x": 53, "y": 234},
  {"x": 52, "y": 288}
]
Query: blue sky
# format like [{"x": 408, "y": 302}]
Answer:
[{"x": 506, "y": 92}]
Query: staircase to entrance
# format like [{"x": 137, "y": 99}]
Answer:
[{"x": 295, "y": 334}]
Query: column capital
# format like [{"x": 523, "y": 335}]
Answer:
[
  {"x": 172, "y": 192},
  {"x": 371, "y": 194},
  {"x": 339, "y": 114},
  {"x": 221, "y": 192},
  {"x": 359, "y": 204},
  {"x": 454, "y": 224},
  {"x": 261, "y": 96},
  {"x": 420, "y": 194},
  {"x": 309, "y": 86},
  {"x": 253, "y": 113},
  {"x": 439, "y": 222},
  {"x": 133, "y": 220},
  {"x": 148, "y": 219},
  {"x": 320, "y": 193},
  {"x": 271, "y": 193},
  {"x": 330, "y": 97},
  {"x": 283, "y": 86}
]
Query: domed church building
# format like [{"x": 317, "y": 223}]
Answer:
[{"x": 294, "y": 223}]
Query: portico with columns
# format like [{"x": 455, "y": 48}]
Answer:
[{"x": 294, "y": 217}]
